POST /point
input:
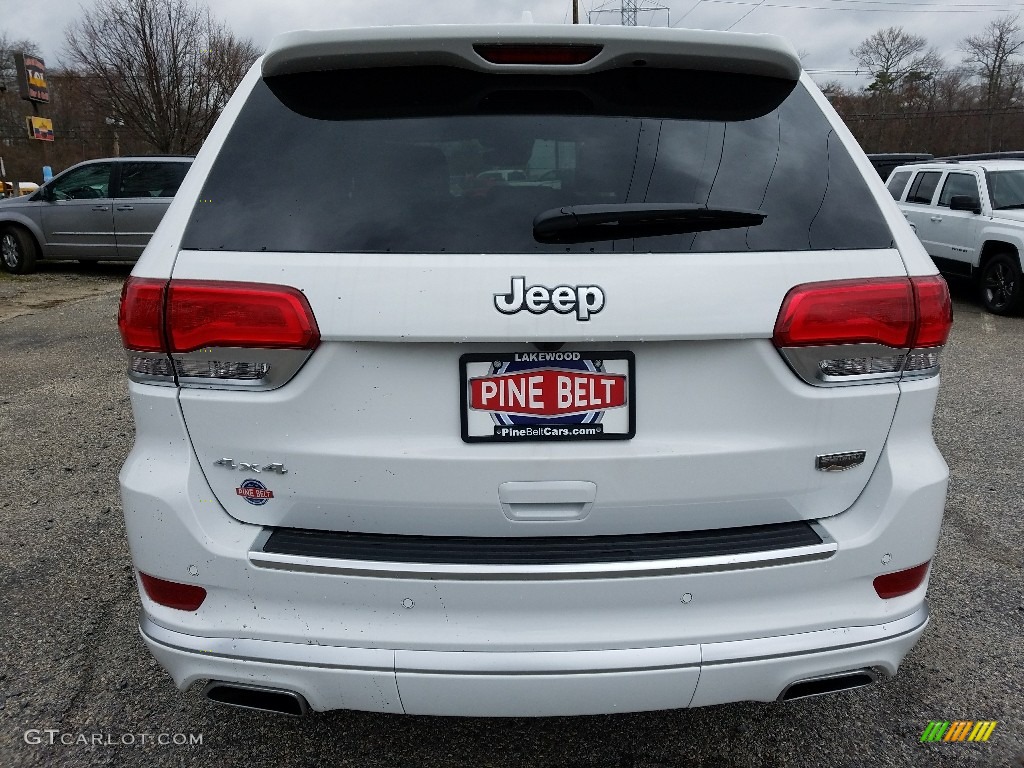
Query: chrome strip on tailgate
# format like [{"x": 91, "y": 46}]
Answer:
[{"x": 518, "y": 571}]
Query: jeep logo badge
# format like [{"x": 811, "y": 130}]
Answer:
[{"x": 585, "y": 300}]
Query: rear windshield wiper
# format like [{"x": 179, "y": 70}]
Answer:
[{"x": 589, "y": 223}]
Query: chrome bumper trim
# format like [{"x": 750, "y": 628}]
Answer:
[
  {"x": 546, "y": 572},
  {"x": 533, "y": 662}
]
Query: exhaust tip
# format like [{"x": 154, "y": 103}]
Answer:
[
  {"x": 819, "y": 686},
  {"x": 256, "y": 697}
]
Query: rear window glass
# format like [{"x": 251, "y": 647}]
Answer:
[
  {"x": 923, "y": 187},
  {"x": 897, "y": 183},
  {"x": 142, "y": 179},
  {"x": 439, "y": 159}
]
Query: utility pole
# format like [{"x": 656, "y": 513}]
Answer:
[
  {"x": 575, "y": 11},
  {"x": 116, "y": 122},
  {"x": 629, "y": 13}
]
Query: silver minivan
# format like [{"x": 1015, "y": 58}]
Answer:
[{"x": 103, "y": 209}]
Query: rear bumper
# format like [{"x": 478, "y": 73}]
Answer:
[
  {"x": 604, "y": 639},
  {"x": 535, "y": 683}
]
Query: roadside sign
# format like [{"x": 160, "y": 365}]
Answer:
[
  {"x": 39, "y": 128},
  {"x": 31, "y": 78}
]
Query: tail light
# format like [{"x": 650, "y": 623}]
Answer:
[
  {"x": 864, "y": 331},
  {"x": 140, "y": 318},
  {"x": 900, "y": 583},
  {"x": 183, "y": 597},
  {"x": 216, "y": 334}
]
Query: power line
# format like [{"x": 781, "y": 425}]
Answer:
[
  {"x": 1000, "y": 9},
  {"x": 741, "y": 18},
  {"x": 979, "y": 6},
  {"x": 890, "y": 6},
  {"x": 969, "y": 112},
  {"x": 680, "y": 20}
]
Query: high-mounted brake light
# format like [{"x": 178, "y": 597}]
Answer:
[
  {"x": 183, "y": 597},
  {"x": 544, "y": 53},
  {"x": 215, "y": 333},
  {"x": 900, "y": 583},
  {"x": 860, "y": 331}
]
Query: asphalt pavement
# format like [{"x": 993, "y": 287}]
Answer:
[{"x": 78, "y": 688}]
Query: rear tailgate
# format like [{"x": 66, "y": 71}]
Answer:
[
  {"x": 417, "y": 272},
  {"x": 369, "y": 430}
]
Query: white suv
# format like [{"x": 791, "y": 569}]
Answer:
[
  {"x": 970, "y": 218},
  {"x": 659, "y": 437}
]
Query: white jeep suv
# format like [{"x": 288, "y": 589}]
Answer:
[
  {"x": 658, "y": 437},
  {"x": 970, "y": 218}
]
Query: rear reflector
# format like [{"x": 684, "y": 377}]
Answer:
[
  {"x": 537, "y": 54},
  {"x": 183, "y": 597},
  {"x": 221, "y": 314},
  {"x": 901, "y": 582},
  {"x": 859, "y": 331}
]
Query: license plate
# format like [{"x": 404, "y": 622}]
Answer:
[{"x": 541, "y": 396}]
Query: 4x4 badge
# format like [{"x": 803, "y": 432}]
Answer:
[
  {"x": 585, "y": 300},
  {"x": 251, "y": 466}
]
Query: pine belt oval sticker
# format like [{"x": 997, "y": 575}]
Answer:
[{"x": 254, "y": 492}]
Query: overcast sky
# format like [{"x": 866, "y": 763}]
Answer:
[{"x": 824, "y": 30}]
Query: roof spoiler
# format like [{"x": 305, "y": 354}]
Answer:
[{"x": 734, "y": 52}]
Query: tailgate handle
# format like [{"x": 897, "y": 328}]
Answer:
[{"x": 547, "y": 499}]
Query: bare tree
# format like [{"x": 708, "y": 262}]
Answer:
[
  {"x": 166, "y": 67},
  {"x": 9, "y": 47},
  {"x": 19, "y": 156},
  {"x": 990, "y": 55},
  {"x": 892, "y": 55},
  {"x": 833, "y": 89}
]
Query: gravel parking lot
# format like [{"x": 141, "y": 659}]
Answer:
[{"x": 73, "y": 668}]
